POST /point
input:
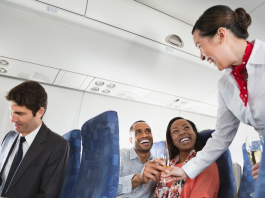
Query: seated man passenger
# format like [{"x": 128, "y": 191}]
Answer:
[
  {"x": 183, "y": 143},
  {"x": 139, "y": 171}
]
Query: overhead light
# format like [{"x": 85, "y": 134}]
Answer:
[
  {"x": 4, "y": 63},
  {"x": 174, "y": 40},
  {"x": 95, "y": 89},
  {"x": 111, "y": 85},
  {"x": 176, "y": 100},
  {"x": 3, "y": 71},
  {"x": 106, "y": 91},
  {"x": 99, "y": 83}
]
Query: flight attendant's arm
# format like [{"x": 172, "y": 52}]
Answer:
[{"x": 226, "y": 129}]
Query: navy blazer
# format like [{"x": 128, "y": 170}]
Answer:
[{"x": 41, "y": 171}]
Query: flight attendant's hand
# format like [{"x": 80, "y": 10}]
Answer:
[
  {"x": 174, "y": 174},
  {"x": 255, "y": 171}
]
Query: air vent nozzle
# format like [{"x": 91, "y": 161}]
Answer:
[{"x": 175, "y": 40}]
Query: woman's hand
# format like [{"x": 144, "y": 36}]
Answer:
[
  {"x": 255, "y": 171},
  {"x": 174, "y": 174}
]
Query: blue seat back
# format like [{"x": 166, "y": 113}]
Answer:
[
  {"x": 247, "y": 185},
  {"x": 156, "y": 146},
  {"x": 74, "y": 139},
  {"x": 100, "y": 164},
  {"x": 260, "y": 183},
  {"x": 225, "y": 167}
]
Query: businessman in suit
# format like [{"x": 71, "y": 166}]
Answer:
[{"x": 33, "y": 159}]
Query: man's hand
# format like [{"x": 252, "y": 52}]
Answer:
[
  {"x": 174, "y": 174},
  {"x": 151, "y": 170},
  {"x": 255, "y": 171}
]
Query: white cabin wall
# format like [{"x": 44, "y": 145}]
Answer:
[
  {"x": 240, "y": 138},
  {"x": 67, "y": 110},
  {"x": 128, "y": 112},
  {"x": 62, "y": 112},
  {"x": 202, "y": 122}
]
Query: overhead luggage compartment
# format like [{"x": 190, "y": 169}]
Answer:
[{"x": 142, "y": 20}]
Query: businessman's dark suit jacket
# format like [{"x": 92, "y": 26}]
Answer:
[{"x": 42, "y": 170}]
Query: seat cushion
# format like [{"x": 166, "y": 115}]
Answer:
[{"x": 225, "y": 167}]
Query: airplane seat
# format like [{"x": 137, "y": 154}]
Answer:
[
  {"x": 247, "y": 182},
  {"x": 260, "y": 183},
  {"x": 225, "y": 167},
  {"x": 98, "y": 175},
  {"x": 238, "y": 175},
  {"x": 156, "y": 146},
  {"x": 74, "y": 139}
]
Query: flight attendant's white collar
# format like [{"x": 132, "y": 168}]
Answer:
[{"x": 257, "y": 56}]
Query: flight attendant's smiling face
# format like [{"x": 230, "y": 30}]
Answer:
[{"x": 214, "y": 49}]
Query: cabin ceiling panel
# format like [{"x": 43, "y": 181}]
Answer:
[
  {"x": 190, "y": 10},
  {"x": 202, "y": 122},
  {"x": 212, "y": 111},
  {"x": 28, "y": 71},
  {"x": 72, "y": 80},
  {"x": 103, "y": 56},
  {"x": 76, "y": 6},
  {"x": 211, "y": 98},
  {"x": 194, "y": 106},
  {"x": 115, "y": 89},
  {"x": 257, "y": 28},
  {"x": 158, "y": 98},
  {"x": 141, "y": 20}
]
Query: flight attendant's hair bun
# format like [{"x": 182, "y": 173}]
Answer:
[{"x": 243, "y": 18}]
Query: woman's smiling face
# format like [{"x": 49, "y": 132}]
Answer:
[{"x": 183, "y": 136}]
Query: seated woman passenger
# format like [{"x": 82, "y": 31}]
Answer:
[{"x": 183, "y": 143}]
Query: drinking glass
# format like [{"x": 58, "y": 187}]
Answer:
[
  {"x": 163, "y": 154},
  {"x": 254, "y": 149}
]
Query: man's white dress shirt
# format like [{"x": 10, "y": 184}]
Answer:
[
  {"x": 25, "y": 146},
  {"x": 231, "y": 110}
]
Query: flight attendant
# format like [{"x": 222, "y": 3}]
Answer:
[{"x": 220, "y": 34}]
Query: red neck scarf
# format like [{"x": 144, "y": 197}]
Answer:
[{"x": 238, "y": 74}]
